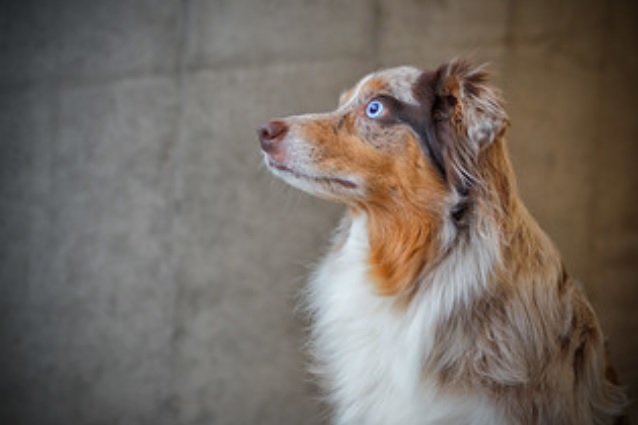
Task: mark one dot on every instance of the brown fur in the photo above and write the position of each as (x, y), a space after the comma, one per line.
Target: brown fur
(533, 340)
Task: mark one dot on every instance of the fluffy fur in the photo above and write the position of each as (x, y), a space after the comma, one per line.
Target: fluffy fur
(441, 300)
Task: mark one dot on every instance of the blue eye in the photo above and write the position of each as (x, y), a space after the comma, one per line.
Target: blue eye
(374, 109)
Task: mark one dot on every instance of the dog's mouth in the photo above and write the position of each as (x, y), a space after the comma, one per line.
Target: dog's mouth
(319, 179)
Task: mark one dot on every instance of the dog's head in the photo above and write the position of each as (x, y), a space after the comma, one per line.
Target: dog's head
(401, 134)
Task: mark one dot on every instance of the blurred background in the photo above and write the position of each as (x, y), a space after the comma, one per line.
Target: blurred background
(149, 265)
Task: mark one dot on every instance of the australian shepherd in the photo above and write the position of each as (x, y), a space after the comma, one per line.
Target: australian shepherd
(441, 300)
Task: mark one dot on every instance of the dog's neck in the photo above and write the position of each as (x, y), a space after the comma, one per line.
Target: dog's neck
(407, 239)
(401, 242)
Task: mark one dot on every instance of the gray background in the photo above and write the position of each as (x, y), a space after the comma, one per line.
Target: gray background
(148, 262)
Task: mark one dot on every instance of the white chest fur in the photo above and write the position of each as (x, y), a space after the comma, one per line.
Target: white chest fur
(370, 353)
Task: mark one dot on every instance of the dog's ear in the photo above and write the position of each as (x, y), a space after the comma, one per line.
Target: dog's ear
(466, 116)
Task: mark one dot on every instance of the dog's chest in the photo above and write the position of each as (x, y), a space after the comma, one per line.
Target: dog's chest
(369, 351)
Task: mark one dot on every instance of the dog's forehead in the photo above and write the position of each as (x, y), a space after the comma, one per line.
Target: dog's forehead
(399, 82)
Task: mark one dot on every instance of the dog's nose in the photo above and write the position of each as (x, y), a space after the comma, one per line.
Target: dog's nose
(270, 134)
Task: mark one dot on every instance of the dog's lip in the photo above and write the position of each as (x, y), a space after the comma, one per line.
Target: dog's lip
(282, 167)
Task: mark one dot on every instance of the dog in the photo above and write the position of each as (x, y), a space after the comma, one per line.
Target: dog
(441, 300)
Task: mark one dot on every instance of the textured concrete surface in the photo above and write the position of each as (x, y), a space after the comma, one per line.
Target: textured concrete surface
(149, 265)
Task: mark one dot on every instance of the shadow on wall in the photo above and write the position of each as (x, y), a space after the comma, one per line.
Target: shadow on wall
(149, 265)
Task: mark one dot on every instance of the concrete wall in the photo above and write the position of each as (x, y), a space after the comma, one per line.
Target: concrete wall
(148, 263)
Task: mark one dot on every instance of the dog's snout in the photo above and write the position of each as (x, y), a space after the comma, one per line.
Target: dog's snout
(270, 134)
